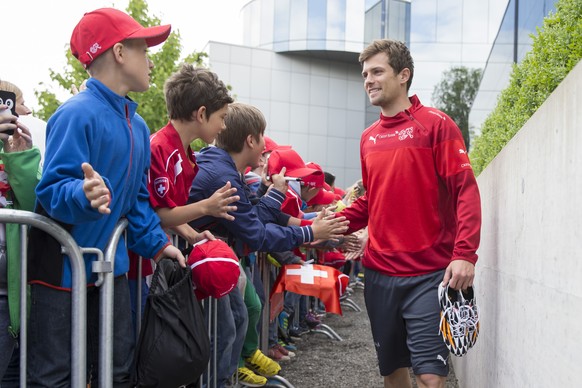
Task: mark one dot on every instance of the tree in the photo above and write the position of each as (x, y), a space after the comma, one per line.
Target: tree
(555, 50)
(454, 95)
(152, 106)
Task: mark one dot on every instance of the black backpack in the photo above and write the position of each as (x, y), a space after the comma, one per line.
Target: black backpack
(173, 347)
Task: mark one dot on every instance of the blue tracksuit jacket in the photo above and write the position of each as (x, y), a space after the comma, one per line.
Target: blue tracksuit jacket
(102, 128)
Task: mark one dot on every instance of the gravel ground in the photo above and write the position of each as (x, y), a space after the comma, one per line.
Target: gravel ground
(322, 362)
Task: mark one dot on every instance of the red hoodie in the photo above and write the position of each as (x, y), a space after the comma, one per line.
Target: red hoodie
(422, 204)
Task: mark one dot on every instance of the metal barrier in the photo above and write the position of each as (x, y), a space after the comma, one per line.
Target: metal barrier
(78, 291)
(103, 267)
(265, 273)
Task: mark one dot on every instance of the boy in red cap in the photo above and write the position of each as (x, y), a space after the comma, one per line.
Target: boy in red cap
(310, 181)
(256, 178)
(97, 156)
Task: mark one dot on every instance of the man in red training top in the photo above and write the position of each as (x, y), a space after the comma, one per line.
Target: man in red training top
(423, 213)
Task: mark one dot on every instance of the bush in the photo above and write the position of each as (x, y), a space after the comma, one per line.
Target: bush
(556, 49)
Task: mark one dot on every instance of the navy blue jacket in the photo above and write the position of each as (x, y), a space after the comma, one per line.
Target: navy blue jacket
(254, 225)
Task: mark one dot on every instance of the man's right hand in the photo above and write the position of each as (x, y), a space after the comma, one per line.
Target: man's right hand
(326, 226)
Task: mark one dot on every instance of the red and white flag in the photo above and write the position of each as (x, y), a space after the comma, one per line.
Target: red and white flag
(320, 281)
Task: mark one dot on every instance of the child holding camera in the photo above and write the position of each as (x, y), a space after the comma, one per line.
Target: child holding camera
(19, 174)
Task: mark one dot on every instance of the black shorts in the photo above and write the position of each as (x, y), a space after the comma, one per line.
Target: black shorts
(404, 315)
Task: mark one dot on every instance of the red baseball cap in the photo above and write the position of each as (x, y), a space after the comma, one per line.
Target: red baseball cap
(295, 166)
(316, 179)
(314, 166)
(339, 191)
(99, 30)
(215, 268)
(334, 259)
(323, 197)
(271, 145)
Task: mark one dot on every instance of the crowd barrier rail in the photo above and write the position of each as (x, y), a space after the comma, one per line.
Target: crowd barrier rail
(78, 291)
(103, 267)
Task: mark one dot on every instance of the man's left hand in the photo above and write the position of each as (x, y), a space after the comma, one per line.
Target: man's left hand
(459, 274)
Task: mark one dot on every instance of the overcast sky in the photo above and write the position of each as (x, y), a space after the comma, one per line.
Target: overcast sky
(35, 32)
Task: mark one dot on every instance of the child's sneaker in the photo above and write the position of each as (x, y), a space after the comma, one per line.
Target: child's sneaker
(312, 320)
(247, 378)
(290, 347)
(284, 322)
(459, 325)
(283, 350)
(277, 355)
(262, 364)
(296, 332)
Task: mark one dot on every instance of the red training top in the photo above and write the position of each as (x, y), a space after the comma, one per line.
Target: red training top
(422, 203)
(172, 169)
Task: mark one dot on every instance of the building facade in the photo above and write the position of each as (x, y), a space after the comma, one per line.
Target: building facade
(299, 64)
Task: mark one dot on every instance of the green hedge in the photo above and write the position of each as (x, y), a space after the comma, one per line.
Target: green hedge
(556, 49)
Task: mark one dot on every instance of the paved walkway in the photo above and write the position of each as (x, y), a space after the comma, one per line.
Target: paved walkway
(351, 363)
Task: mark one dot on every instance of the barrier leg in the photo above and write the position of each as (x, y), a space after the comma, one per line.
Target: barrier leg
(351, 304)
(326, 330)
(104, 268)
(78, 290)
(278, 381)
(23, 303)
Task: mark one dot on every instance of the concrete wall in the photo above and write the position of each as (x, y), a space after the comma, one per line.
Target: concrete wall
(529, 274)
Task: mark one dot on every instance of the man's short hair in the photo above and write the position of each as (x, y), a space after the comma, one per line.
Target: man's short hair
(399, 57)
(191, 88)
(241, 121)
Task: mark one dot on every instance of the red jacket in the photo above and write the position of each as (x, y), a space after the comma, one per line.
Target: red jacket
(422, 204)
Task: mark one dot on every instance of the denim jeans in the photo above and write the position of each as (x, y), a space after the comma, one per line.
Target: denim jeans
(49, 336)
(133, 295)
(231, 329)
(11, 377)
(291, 301)
(7, 342)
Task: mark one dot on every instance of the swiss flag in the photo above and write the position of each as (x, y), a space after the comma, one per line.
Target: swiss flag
(321, 281)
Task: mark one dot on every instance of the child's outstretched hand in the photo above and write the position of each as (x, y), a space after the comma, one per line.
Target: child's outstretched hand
(218, 205)
(326, 226)
(96, 190)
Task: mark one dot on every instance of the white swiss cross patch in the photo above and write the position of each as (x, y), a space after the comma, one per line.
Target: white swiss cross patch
(161, 186)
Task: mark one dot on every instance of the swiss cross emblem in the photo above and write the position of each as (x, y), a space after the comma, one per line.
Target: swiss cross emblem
(307, 273)
(161, 186)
